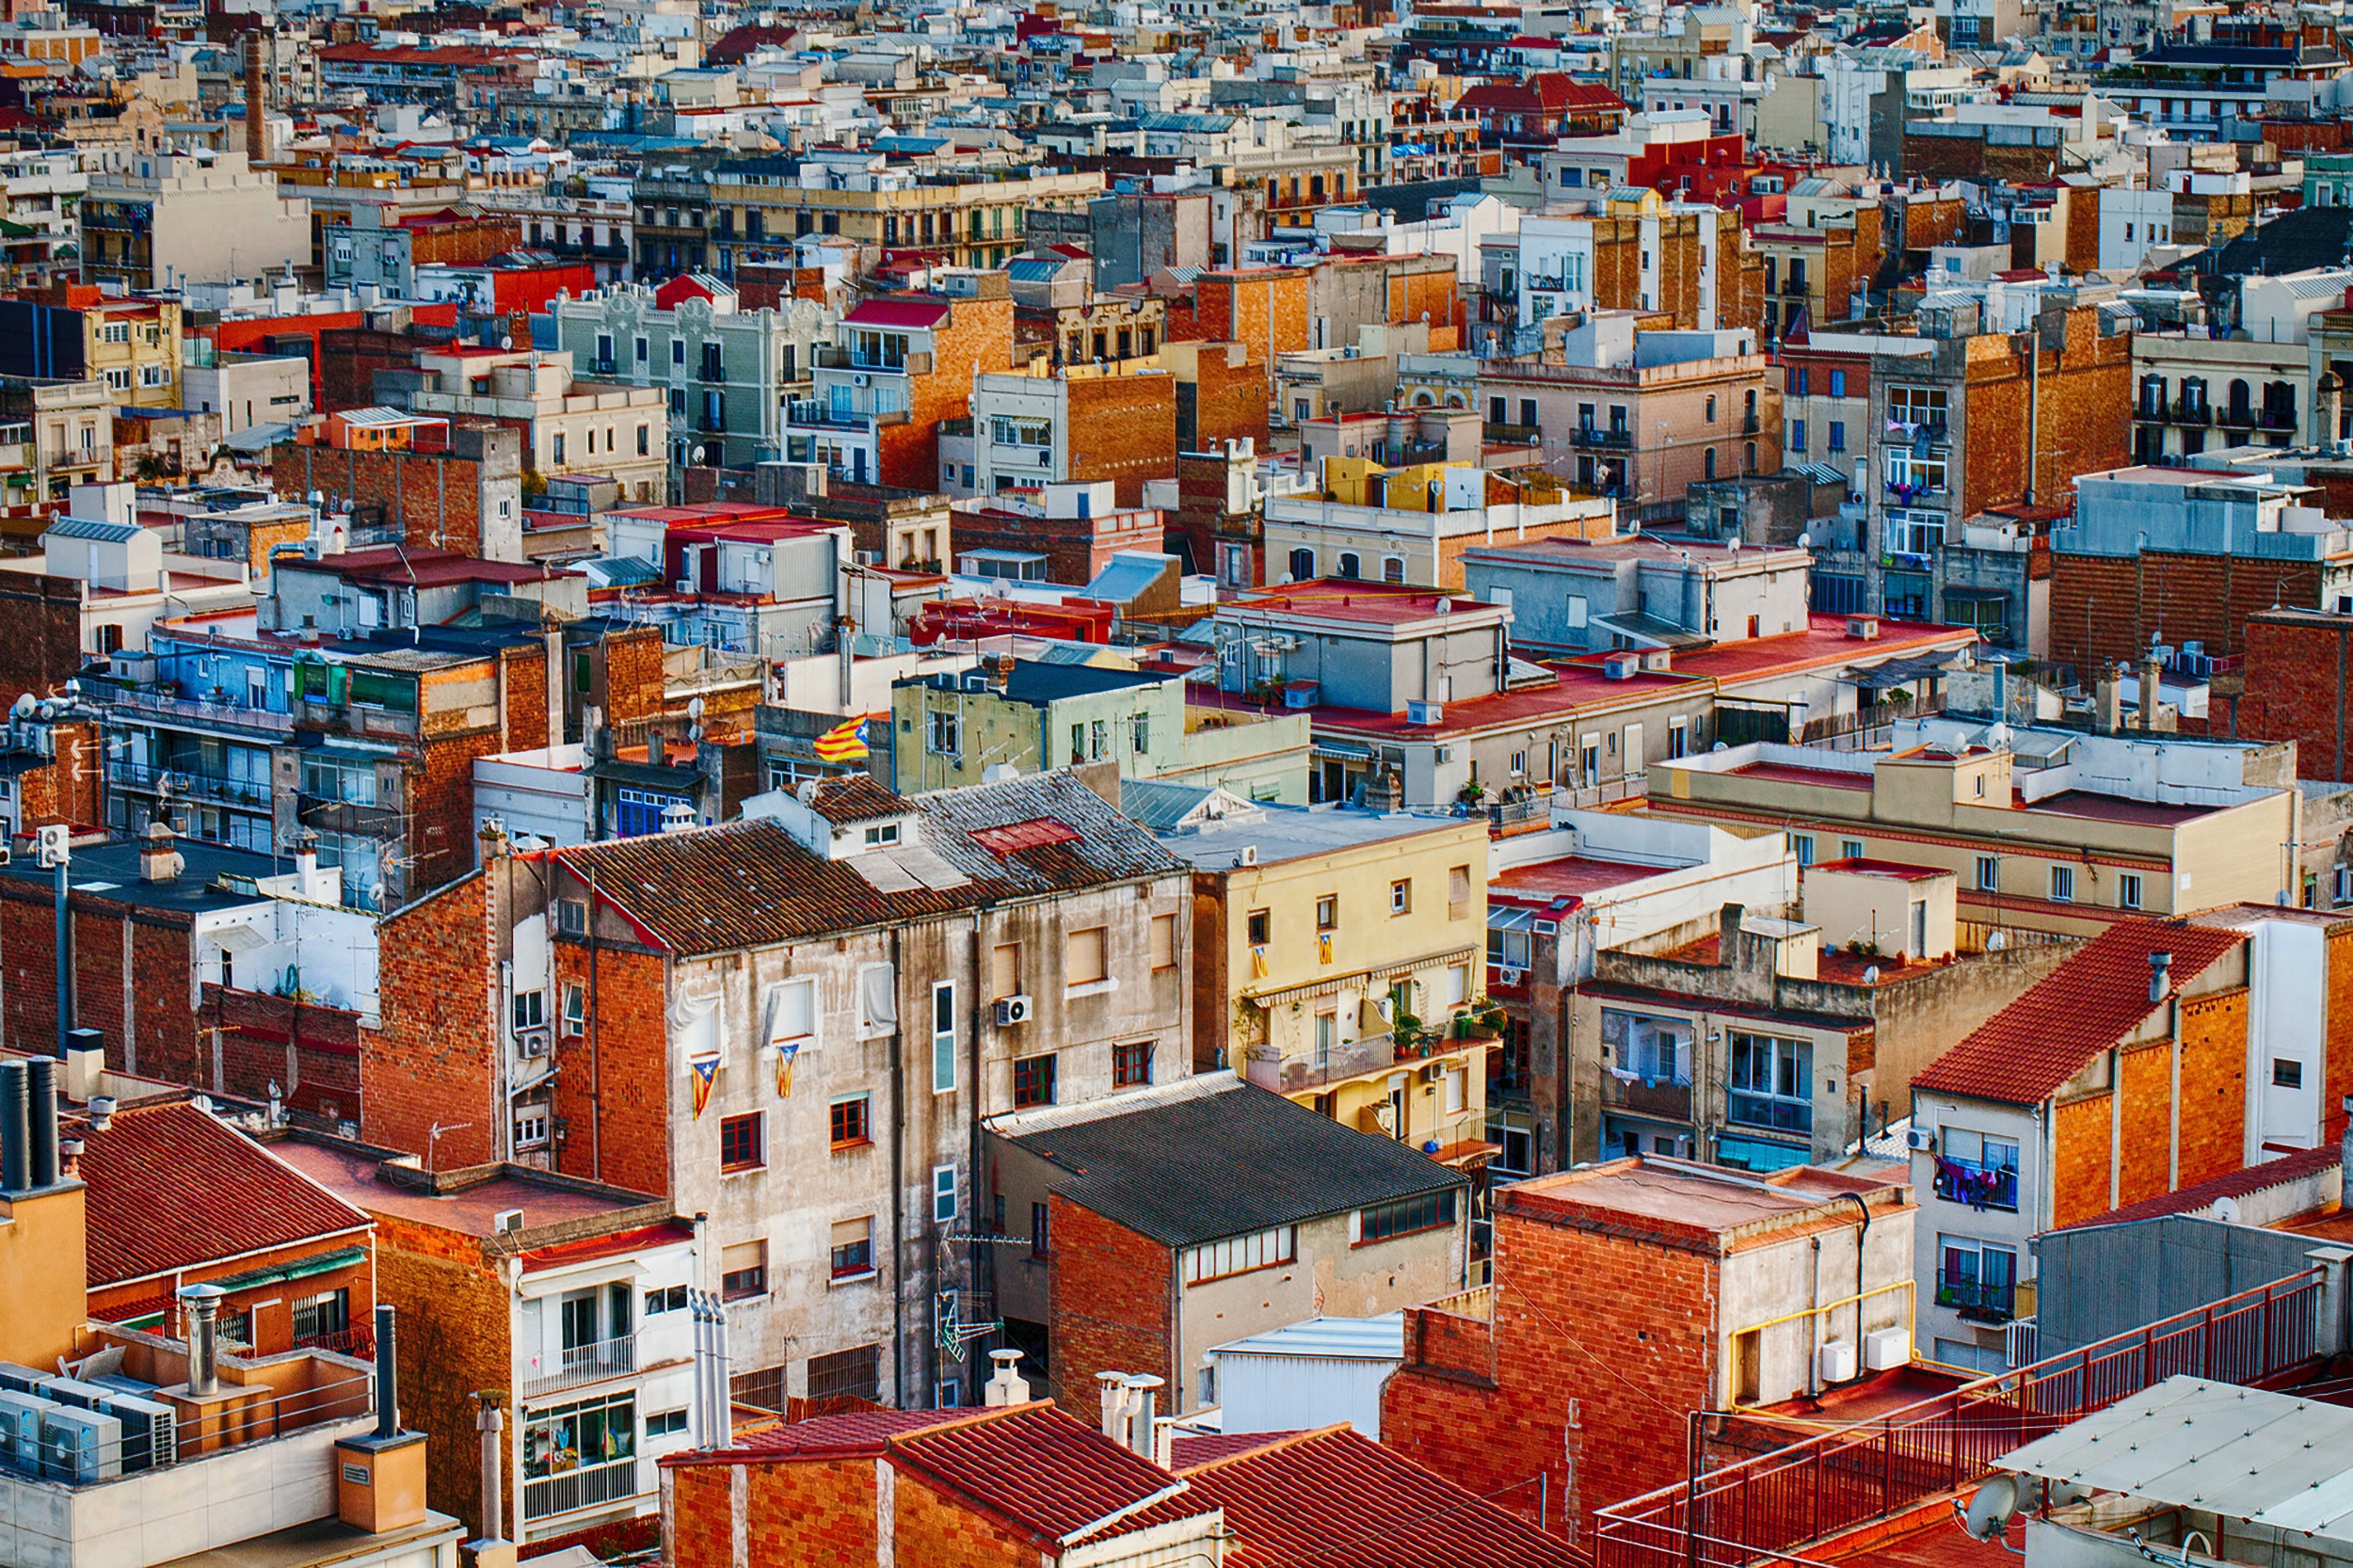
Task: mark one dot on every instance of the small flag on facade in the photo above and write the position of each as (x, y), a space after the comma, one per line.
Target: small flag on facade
(845, 742)
(705, 1069)
(786, 1053)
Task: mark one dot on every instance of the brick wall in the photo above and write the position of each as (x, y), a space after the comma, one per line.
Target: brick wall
(1123, 428)
(43, 648)
(977, 336)
(455, 1337)
(1230, 398)
(66, 788)
(2214, 1085)
(133, 981)
(699, 1515)
(2107, 608)
(2079, 1176)
(2337, 1049)
(2297, 671)
(1618, 1330)
(820, 1514)
(632, 688)
(431, 1060)
(1108, 1305)
(311, 1052)
(612, 1088)
(1264, 307)
(2082, 425)
(2146, 1076)
(434, 498)
(933, 1527)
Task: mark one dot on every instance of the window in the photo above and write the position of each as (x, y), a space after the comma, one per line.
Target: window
(944, 1038)
(1976, 1277)
(1801, 845)
(853, 1249)
(1839, 383)
(877, 1000)
(1041, 1230)
(1977, 1169)
(1033, 1081)
(1772, 1083)
(942, 739)
(1004, 971)
(1328, 912)
(574, 1438)
(530, 1010)
(882, 835)
(1458, 985)
(792, 1011)
(1240, 1255)
(761, 1390)
(1989, 874)
(2286, 1074)
(1084, 957)
(847, 1374)
(1350, 565)
(531, 1127)
(665, 1423)
(1797, 434)
(1458, 892)
(1851, 848)
(1403, 1216)
(556, 446)
(1303, 565)
(666, 1298)
(572, 917)
(1836, 439)
(1401, 897)
(1132, 1065)
(2062, 884)
(2128, 890)
(1163, 941)
(743, 1142)
(943, 1194)
(744, 1270)
(847, 1122)
(316, 1317)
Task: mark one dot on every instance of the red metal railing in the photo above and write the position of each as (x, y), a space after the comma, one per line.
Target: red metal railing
(1768, 1506)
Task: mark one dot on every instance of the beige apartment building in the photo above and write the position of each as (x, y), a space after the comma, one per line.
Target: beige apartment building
(2055, 831)
(617, 431)
(973, 216)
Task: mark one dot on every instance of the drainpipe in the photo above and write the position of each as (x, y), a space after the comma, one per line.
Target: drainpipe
(1862, 1236)
(1814, 1327)
(898, 1185)
(490, 1423)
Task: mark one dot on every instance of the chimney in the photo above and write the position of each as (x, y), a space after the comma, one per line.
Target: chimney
(1728, 934)
(379, 1476)
(256, 127)
(84, 1064)
(203, 1302)
(657, 754)
(2159, 965)
(2107, 705)
(1006, 1386)
(490, 1422)
(2151, 669)
(41, 1143)
(1112, 1389)
(16, 1132)
(159, 860)
(1143, 1392)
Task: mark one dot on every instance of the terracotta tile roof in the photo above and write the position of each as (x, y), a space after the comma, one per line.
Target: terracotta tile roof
(863, 1432)
(589, 1249)
(913, 311)
(751, 884)
(1047, 1473)
(857, 797)
(172, 1188)
(2022, 1054)
(1339, 1499)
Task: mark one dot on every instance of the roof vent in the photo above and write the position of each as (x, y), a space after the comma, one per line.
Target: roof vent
(2159, 965)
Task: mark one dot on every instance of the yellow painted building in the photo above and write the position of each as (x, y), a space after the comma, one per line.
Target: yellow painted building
(1340, 955)
(133, 347)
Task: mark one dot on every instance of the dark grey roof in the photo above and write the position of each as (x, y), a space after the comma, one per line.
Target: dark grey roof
(1033, 682)
(1215, 1156)
(111, 871)
(2296, 241)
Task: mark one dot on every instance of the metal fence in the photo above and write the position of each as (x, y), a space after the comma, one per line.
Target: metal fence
(1771, 1505)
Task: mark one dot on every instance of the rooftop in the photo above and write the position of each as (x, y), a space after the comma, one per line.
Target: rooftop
(1677, 1199)
(467, 1202)
(2024, 1053)
(1280, 833)
(1136, 1158)
(170, 1188)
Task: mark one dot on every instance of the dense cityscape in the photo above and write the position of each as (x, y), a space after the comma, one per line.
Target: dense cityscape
(1266, 783)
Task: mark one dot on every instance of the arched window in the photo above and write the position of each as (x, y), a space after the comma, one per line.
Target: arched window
(1350, 568)
(1303, 566)
(1708, 458)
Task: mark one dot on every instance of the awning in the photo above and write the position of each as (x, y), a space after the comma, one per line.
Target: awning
(1347, 750)
(236, 939)
(1358, 980)
(302, 1268)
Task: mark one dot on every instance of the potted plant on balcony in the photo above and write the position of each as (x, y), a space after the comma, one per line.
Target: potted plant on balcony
(1481, 1020)
(1409, 1035)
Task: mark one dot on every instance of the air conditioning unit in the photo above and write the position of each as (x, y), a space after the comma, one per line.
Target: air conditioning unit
(1380, 1116)
(20, 1428)
(532, 1042)
(507, 1222)
(1920, 1140)
(1431, 1072)
(1246, 855)
(859, 380)
(1511, 975)
(150, 1431)
(683, 586)
(1011, 1011)
(1835, 1361)
(1419, 710)
(1886, 1349)
(1442, 754)
(79, 1447)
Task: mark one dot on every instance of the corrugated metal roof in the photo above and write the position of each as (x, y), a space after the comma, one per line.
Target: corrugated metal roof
(1381, 1339)
(94, 528)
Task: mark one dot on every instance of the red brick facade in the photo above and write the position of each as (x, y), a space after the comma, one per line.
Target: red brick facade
(977, 336)
(1110, 1307)
(431, 1062)
(436, 498)
(1123, 428)
(1600, 1343)
(2106, 609)
(2297, 672)
(43, 648)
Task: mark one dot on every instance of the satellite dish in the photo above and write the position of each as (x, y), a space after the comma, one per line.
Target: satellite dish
(1805, 541)
(694, 707)
(1992, 1509)
(1871, 975)
(24, 708)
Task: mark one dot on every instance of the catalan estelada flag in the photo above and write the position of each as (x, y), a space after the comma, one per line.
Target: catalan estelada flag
(845, 742)
(705, 1069)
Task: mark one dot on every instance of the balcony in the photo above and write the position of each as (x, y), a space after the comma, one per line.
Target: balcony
(2186, 412)
(343, 816)
(1663, 1099)
(590, 1363)
(577, 1489)
(1594, 435)
(2236, 419)
(1372, 1053)
(1987, 1301)
(184, 784)
(164, 702)
(809, 413)
(1978, 1186)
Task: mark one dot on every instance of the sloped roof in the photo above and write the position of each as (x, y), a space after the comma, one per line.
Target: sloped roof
(1211, 1157)
(170, 1188)
(1340, 1500)
(915, 310)
(2243, 1182)
(2024, 1053)
(751, 884)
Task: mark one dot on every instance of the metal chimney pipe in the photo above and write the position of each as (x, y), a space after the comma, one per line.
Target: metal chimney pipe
(203, 1302)
(41, 1148)
(2160, 964)
(490, 1423)
(722, 1385)
(1146, 1391)
(1111, 1387)
(15, 1126)
(387, 1375)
